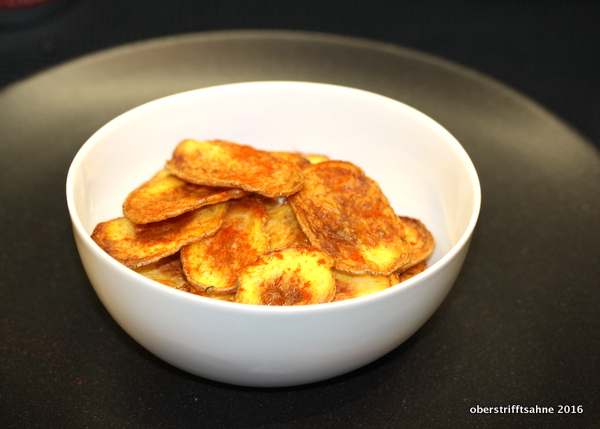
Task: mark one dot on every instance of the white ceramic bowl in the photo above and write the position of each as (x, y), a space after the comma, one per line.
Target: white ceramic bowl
(422, 169)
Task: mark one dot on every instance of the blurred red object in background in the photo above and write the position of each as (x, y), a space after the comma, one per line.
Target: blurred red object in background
(16, 12)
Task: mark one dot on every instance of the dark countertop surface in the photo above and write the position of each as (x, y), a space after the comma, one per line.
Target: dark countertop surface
(521, 326)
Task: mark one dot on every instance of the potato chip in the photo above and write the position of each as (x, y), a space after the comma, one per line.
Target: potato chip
(270, 203)
(401, 276)
(290, 276)
(222, 163)
(420, 238)
(166, 196)
(302, 160)
(344, 213)
(283, 228)
(135, 245)
(213, 264)
(295, 157)
(316, 158)
(350, 286)
(167, 271)
(230, 296)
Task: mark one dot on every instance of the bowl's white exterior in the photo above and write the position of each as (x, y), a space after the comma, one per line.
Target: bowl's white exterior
(421, 168)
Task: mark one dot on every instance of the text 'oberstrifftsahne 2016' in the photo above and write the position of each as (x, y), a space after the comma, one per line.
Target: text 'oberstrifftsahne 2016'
(519, 409)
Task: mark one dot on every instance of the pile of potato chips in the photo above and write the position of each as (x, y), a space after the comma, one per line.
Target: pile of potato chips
(232, 222)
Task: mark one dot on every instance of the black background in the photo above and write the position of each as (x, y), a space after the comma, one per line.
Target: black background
(488, 347)
(548, 50)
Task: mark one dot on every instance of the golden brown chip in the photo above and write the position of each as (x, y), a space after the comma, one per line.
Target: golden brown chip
(283, 228)
(294, 157)
(222, 163)
(290, 276)
(135, 245)
(302, 160)
(167, 271)
(420, 239)
(400, 276)
(166, 196)
(270, 203)
(344, 213)
(213, 264)
(316, 158)
(350, 286)
(230, 297)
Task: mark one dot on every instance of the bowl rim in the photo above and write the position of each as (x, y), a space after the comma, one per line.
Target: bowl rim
(444, 260)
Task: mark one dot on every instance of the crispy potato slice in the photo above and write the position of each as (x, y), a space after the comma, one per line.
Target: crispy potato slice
(166, 196)
(223, 163)
(213, 264)
(302, 160)
(135, 245)
(350, 286)
(167, 271)
(283, 228)
(295, 157)
(230, 296)
(403, 275)
(314, 158)
(344, 213)
(420, 238)
(290, 276)
(270, 202)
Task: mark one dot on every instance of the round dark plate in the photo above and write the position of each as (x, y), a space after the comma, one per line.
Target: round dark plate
(519, 327)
